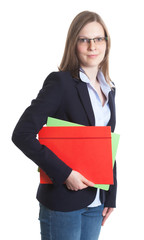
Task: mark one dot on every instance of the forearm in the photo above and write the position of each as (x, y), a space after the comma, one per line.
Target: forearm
(56, 169)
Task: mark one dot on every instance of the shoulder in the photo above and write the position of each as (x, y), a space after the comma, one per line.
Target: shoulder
(113, 87)
(112, 93)
(58, 77)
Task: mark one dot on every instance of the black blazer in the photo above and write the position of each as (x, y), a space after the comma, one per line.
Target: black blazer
(66, 98)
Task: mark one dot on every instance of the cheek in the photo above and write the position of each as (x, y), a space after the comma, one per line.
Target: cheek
(103, 51)
(80, 50)
(81, 54)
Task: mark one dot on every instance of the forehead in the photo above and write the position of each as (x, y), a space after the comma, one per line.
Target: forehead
(91, 30)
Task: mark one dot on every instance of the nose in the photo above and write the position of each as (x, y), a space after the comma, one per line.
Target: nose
(92, 45)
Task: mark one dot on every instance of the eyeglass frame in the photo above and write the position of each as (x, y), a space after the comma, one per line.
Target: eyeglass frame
(94, 39)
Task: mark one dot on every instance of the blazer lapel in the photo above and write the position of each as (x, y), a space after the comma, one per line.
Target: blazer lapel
(85, 99)
(112, 120)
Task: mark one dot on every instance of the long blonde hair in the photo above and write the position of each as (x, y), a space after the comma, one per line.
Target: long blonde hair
(70, 61)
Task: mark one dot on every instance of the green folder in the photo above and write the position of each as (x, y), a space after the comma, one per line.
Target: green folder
(54, 122)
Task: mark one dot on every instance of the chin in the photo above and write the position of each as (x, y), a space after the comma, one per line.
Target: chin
(93, 65)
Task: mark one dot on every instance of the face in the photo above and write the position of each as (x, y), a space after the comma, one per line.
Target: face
(90, 53)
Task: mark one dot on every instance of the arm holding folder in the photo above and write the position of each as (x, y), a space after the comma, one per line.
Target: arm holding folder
(52, 122)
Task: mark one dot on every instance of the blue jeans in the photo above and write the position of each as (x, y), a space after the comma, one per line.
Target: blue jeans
(83, 224)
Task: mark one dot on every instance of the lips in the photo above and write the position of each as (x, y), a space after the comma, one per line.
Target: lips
(92, 56)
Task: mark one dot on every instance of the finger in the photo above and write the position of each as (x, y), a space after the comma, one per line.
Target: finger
(76, 188)
(71, 188)
(88, 183)
(106, 213)
(104, 220)
(83, 186)
(110, 210)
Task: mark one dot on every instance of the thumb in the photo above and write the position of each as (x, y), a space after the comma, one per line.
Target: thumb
(104, 211)
(87, 182)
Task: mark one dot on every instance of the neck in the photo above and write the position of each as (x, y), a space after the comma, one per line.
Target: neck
(91, 73)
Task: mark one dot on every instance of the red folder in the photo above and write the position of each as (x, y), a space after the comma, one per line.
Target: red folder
(87, 150)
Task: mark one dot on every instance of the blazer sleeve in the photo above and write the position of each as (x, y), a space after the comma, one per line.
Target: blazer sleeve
(110, 200)
(34, 117)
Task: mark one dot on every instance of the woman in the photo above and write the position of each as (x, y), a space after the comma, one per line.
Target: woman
(80, 92)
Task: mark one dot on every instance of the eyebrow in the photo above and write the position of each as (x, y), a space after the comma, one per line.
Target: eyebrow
(91, 38)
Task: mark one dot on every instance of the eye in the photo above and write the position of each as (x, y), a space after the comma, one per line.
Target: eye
(99, 39)
(83, 40)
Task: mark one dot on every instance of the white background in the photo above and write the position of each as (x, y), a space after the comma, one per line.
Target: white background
(32, 40)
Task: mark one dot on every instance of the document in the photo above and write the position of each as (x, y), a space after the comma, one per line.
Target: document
(89, 150)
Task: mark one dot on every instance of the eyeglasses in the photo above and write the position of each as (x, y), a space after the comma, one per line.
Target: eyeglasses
(97, 40)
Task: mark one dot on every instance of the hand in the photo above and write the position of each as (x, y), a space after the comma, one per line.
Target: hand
(106, 212)
(76, 181)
